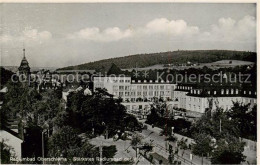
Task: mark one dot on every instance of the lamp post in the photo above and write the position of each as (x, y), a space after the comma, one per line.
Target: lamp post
(43, 145)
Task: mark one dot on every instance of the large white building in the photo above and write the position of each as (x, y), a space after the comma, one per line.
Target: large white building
(131, 91)
(137, 95)
(198, 99)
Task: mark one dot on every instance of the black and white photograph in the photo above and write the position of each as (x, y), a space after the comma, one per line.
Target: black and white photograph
(137, 83)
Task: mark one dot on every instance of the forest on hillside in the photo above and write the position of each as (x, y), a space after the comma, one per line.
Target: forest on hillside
(174, 57)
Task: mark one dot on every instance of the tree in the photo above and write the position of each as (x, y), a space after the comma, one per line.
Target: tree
(6, 153)
(244, 118)
(67, 143)
(98, 114)
(204, 145)
(217, 135)
(228, 152)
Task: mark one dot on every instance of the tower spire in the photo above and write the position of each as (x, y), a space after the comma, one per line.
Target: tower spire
(23, 50)
(23, 53)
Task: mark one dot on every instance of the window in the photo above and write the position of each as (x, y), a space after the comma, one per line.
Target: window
(227, 92)
(145, 93)
(139, 93)
(139, 87)
(161, 93)
(121, 87)
(127, 87)
(222, 91)
(121, 94)
(162, 87)
(145, 87)
(150, 93)
(132, 93)
(115, 87)
(236, 91)
(232, 91)
(150, 87)
(156, 87)
(167, 93)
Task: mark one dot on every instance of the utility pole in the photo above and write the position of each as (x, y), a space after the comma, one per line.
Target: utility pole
(100, 152)
(220, 125)
(43, 146)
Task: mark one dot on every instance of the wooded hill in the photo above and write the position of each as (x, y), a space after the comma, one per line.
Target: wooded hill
(174, 57)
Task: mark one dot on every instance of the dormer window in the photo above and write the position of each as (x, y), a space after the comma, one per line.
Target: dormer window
(222, 91)
(232, 91)
(215, 92)
(227, 92)
(236, 91)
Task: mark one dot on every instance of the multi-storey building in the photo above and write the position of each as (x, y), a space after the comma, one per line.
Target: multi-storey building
(198, 98)
(136, 95)
(133, 91)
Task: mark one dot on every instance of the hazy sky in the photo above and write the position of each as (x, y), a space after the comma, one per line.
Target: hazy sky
(69, 34)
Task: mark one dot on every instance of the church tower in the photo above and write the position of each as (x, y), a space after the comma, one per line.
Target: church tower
(24, 66)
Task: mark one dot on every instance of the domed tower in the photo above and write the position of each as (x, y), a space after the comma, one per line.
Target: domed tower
(24, 66)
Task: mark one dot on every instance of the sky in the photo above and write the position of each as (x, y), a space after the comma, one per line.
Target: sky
(58, 35)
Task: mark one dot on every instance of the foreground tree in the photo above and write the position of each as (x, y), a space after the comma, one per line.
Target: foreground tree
(228, 152)
(6, 153)
(68, 144)
(98, 114)
(217, 136)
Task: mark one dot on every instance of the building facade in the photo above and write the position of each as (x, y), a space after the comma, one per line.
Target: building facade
(135, 91)
(198, 99)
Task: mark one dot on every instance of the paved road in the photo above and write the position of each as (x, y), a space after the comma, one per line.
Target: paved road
(152, 134)
(124, 150)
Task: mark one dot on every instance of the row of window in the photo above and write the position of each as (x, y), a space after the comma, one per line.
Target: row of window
(139, 87)
(227, 91)
(145, 93)
(148, 99)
